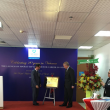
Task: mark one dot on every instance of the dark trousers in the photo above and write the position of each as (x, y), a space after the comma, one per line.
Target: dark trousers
(68, 95)
(35, 92)
(108, 108)
(107, 95)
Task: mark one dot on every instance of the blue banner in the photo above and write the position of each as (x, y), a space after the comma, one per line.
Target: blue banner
(15, 67)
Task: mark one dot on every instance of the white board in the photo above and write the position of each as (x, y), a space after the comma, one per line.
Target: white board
(1, 91)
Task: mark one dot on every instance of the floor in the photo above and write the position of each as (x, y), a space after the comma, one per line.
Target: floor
(82, 104)
(48, 105)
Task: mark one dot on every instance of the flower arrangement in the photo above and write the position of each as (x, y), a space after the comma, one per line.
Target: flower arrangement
(90, 80)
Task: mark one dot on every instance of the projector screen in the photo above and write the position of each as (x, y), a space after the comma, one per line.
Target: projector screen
(33, 53)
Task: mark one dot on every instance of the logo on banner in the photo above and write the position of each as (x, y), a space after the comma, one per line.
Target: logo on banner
(33, 53)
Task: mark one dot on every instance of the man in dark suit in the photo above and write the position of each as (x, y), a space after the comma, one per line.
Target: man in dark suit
(69, 85)
(35, 83)
(107, 87)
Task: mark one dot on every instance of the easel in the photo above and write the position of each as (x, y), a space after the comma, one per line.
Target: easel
(49, 95)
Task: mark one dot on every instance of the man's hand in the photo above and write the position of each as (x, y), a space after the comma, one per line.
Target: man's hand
(37, 86)
(72, 87)
(103, 84)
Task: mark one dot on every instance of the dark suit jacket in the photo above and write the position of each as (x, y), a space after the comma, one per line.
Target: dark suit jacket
(69, 78)
(107, 88)
(35, 78)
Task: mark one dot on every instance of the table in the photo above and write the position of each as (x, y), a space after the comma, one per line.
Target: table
(88, 103)
(92, 104)
(100, 104)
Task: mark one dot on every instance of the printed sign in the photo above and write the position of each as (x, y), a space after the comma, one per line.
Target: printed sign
(81, 72)
(88, 61)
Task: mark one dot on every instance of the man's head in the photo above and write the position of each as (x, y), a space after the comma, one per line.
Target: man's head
(37, 66)
(65, 65)
(109, 74)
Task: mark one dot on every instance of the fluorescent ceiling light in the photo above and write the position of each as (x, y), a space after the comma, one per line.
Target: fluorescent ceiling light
(1, 27)
(85, 47)
(0, 24)
(30, 45)
(103, 33)
(63, 37)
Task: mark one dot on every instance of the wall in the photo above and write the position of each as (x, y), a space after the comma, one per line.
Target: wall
(15, 67)
(85, 53)
(103, 54)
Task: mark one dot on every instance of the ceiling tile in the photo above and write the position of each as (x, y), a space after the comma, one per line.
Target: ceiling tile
(60, 43)
(73, 44)
(86, 33)
(14, 15)
(29, 41)
(43, 32)
(15, 43)
(42, 5)
(45, 37)
(103, 6)
(77, 5)
(94, 42)
(66, 28)
(95, 38)
(77, 17)
(13, 1)
(58, 46)
(91, 27)
(8, 37)
(44, 43)
(44, 25)
(5, 31)
(25, 35)
(18, 24)
(63, 32)
(98, 18)
(106, 28)
(12, 5)
(43, 16)
(78, 41)
(26, 31)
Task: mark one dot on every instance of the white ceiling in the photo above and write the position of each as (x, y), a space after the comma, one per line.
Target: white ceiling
(42, 20)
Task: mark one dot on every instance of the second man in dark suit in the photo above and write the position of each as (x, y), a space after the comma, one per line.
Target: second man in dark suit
(69, 85)
(35, 83)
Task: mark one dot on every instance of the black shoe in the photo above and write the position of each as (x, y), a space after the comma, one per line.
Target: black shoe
(36, 104)
(63, 105)
(69, 106)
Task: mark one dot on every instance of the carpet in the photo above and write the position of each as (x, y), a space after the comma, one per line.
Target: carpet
(48, 105)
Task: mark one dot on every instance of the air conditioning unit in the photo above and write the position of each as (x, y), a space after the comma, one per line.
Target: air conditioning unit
(1, 27)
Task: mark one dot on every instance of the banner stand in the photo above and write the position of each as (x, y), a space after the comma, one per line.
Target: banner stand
(1, 92)
(49, 95)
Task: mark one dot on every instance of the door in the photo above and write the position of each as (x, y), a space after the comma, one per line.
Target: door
(80, 94)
